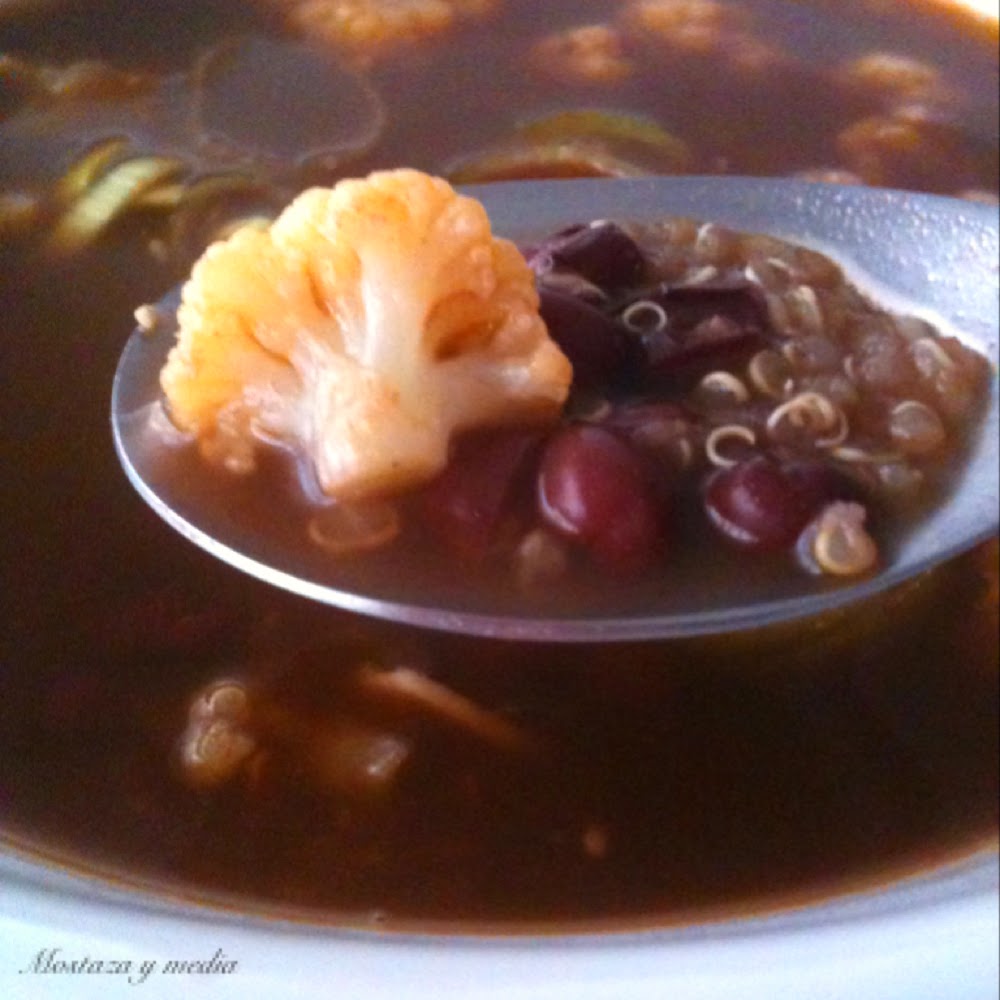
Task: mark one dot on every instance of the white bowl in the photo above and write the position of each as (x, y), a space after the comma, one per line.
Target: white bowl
(932, 937)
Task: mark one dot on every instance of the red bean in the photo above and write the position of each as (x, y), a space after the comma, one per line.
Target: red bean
(597, 346)
(757, 504)
(468, 504)
(712, 323)
(601, 252)
(593, 489)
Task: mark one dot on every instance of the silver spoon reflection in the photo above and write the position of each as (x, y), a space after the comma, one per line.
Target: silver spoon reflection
(934, 256)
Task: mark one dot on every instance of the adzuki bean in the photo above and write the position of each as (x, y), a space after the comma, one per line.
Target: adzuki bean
(596, 345)
(593, 489)
(601, 252)
(759, 505)
(487, 477)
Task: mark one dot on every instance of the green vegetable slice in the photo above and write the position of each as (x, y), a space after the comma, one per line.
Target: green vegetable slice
(85, 172)
(611, 127)
(105, 200)
(541, 160)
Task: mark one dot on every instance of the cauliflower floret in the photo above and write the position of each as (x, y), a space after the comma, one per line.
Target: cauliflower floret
(693, 25)
(370, 323)
(700, 28)
(587, 53)
(368, 30)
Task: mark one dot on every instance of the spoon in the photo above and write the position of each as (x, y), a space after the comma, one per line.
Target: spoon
(928, 255)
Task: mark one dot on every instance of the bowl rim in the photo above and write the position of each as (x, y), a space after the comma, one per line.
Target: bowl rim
(888, 942)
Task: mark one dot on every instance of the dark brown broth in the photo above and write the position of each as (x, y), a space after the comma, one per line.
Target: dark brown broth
(729, 774)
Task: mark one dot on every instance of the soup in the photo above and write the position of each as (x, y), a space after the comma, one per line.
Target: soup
(167, 722)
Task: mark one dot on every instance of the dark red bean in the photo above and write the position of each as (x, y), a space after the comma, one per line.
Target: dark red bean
(467, 506)
(711, 322)
(758, 504)
(593, 489)
(730, 295)
(597, 346)
(601, 252)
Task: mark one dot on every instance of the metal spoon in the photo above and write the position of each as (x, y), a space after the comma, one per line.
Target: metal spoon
(931, 255)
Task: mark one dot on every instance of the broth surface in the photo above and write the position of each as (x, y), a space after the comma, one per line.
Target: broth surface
(657, 782)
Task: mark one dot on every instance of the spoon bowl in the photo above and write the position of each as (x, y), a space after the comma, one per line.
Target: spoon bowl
(930, 256)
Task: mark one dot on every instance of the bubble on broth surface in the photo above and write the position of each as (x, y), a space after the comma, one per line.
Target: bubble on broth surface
(249, 101)
(272, 99)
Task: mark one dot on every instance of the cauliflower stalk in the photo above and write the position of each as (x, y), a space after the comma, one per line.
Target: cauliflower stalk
(370, 323)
